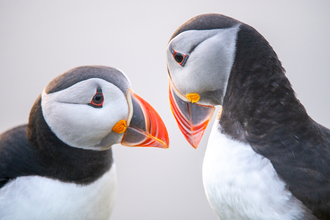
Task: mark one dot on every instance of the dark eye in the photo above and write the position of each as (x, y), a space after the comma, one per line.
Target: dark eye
(97, 100)
(178, 57)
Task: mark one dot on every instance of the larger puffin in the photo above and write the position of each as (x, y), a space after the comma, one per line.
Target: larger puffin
(266, 158)
(60, 165)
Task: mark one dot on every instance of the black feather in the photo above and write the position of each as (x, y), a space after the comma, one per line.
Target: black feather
(34, 149)
(260, 108)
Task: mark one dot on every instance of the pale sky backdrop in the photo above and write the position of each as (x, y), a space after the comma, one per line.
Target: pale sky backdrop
(42, 39)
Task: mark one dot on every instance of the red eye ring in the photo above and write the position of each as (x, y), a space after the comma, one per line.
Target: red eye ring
(98, 99)
(180, 58)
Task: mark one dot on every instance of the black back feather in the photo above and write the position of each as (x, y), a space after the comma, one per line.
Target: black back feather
(260, 108)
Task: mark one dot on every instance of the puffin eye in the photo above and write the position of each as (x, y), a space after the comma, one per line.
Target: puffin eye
(180, 58)
(97, 100)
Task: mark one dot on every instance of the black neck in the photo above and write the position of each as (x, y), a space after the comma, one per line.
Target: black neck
(260, 108)
(60, 161)
(259, 97)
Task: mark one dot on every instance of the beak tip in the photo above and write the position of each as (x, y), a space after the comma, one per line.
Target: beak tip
(166, 143)
(194, 144)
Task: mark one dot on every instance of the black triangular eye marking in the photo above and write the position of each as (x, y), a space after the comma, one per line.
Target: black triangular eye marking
(180, 58)
(98, 99)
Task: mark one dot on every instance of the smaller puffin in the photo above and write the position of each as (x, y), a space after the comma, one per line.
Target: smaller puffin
(60, 165)
(266, 158)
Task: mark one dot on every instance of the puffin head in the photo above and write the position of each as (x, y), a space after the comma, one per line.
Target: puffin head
(94, 107)
(201, 56)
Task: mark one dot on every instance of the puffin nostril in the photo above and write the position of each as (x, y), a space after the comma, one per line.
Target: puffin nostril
(178, 57)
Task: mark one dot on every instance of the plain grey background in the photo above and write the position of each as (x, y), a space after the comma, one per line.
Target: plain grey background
(42, 39)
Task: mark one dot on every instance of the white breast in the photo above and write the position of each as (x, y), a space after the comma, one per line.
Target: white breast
(241, 184)
(39, 198)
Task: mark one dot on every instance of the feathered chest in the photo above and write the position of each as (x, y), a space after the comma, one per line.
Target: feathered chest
(34, 197)
(241, 184)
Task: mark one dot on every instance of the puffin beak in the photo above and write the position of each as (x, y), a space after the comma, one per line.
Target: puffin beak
(192, 118)
(144, 126)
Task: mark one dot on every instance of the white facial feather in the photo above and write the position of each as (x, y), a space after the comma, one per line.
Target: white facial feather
(241, 184)
(39, 198)
(209, 64)
(76, 123)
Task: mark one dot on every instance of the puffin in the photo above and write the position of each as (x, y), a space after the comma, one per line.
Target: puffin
(266, 158)
(60, 165)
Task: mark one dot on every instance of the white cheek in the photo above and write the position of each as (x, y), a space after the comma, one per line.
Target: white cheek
(81, 125)
(209, 65)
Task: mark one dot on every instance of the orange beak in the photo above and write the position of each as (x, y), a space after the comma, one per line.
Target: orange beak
(192, 118)
(144, 128)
